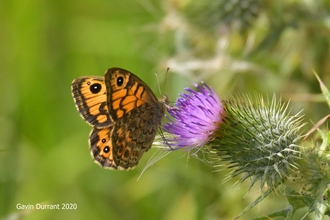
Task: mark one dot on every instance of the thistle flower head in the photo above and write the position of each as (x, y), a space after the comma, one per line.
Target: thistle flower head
(194, 118)
(259, 139)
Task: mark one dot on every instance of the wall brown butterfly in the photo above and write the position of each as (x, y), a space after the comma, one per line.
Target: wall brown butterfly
(125, 115)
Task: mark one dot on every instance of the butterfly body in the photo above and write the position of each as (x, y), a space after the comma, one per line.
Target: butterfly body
(125, 115)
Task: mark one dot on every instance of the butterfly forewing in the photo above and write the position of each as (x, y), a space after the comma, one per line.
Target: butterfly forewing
(127, 92)
(90, 95)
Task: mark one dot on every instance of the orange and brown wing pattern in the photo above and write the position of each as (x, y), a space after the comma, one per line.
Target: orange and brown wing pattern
(101, 147)
(134, 133)
(125, 115)
(126, 92)
(90, 97)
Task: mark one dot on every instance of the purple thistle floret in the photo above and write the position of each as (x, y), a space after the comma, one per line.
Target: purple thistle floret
(194, 118)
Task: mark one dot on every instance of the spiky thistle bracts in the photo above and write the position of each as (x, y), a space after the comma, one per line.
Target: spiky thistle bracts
(258, 139)
(311, 185)
(211, 15)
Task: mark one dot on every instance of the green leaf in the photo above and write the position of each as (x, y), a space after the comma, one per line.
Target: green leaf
(324, 89)
(258, 200)
(286, 213)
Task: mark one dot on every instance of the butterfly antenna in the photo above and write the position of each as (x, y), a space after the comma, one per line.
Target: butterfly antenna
(167, 70)
(162, 89)
(158, 83)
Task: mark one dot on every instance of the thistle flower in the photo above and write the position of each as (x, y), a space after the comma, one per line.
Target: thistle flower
(259, 140)
(194, 118)
(210, 15)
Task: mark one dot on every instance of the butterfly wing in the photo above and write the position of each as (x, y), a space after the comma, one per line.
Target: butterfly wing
(125, 114)
(134, 133)
(137, 114)
(126, 92)
(101, 147)
(90, 97)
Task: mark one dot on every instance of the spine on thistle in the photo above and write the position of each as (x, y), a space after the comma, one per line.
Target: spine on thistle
(255, 137)
(258, 139)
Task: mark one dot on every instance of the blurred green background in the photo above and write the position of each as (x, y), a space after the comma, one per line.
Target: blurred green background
(270, 47)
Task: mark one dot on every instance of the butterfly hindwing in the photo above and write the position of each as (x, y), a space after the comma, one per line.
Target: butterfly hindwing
(134, 133)
(101, 147)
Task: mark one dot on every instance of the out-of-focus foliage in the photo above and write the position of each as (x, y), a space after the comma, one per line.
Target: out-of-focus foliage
(265, 46)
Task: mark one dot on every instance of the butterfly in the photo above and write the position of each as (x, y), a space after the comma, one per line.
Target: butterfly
(125, 115)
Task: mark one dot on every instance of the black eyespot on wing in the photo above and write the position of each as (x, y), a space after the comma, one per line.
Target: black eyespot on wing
(106, 149)
(95, 88)
(120, 81)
